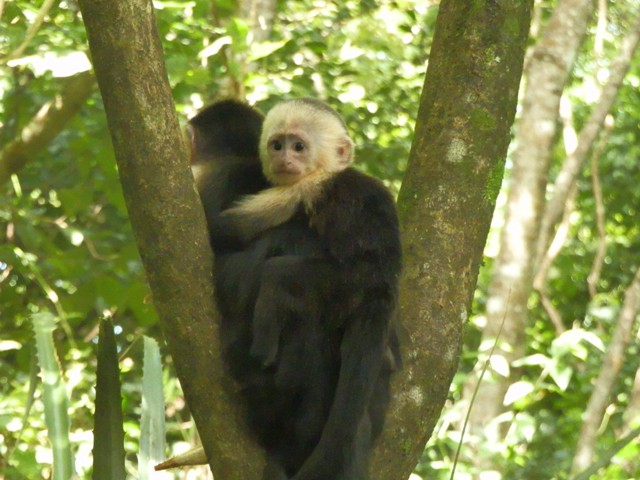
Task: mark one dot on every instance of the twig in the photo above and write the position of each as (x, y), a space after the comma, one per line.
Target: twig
(603, 385)
(31, 31)
(598, 261)
(475, 392)
(606, 458)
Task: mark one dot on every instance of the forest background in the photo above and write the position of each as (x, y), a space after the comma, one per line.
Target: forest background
(559, 283)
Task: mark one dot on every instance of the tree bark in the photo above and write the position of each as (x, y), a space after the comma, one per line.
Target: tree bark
(50, 120)
(445, 206)
(611, 366)
(512, 279)
(168, 221)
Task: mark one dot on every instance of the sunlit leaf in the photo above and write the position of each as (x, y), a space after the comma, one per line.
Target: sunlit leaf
(9, 345)
(54, 396)
(517, 391)
(561, 374)
(500, 365)
(263, 49)
(152, 436)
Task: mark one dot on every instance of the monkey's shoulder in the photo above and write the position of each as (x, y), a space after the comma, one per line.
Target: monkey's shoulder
(356, 197)
(224, 183)
(354, 187)
(356, 216)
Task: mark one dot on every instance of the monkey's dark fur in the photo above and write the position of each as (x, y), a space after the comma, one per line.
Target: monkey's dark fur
(305, 308)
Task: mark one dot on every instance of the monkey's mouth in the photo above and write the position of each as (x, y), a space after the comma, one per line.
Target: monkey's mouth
(287, 172)
(285, 177)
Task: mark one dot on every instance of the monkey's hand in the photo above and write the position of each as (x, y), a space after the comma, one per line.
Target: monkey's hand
(225, 233)
(283, 294)
(343, 458)
(267, 326)
(318, 467)
(273, 470)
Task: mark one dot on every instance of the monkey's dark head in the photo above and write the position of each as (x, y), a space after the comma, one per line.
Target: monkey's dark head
(301, 137)
(226, 128)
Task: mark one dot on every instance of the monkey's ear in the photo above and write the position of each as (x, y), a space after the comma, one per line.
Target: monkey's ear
(344, 152)
(190, 137)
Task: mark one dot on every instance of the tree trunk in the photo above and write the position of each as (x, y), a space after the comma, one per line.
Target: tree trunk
(512, 279)
(446, 204)
(259, 16)
(168, 221)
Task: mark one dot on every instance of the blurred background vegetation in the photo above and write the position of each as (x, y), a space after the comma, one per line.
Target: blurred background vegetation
(67, 252)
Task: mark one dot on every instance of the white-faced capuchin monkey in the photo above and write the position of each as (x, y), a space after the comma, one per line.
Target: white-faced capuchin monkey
(307, 269)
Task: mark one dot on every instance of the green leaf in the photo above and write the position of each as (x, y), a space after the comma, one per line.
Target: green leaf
(561, 374)
(54, 396)
(152, 436)
(238, 30)
(215, 47)
(572, 341)
(517, 391)
(264, 49)
(9, 345)
(108, 435)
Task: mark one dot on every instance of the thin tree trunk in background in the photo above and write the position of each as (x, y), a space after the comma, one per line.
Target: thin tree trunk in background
(570, 141)
(561, 204)
(564, 192)
(572, 166)
(512, 279)
(446, 203)
(613, 360)
(598, 261)
(259, 14)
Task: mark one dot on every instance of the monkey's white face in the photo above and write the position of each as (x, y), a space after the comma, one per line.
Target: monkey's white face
(290, 157)
(299, 139)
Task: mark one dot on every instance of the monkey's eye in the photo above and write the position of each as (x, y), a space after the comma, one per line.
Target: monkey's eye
(298, 146)
(276, 145)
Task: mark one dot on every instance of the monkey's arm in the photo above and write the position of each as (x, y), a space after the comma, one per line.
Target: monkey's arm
(220, 186)
(253, 214)
(357, 220)
(290, 286)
